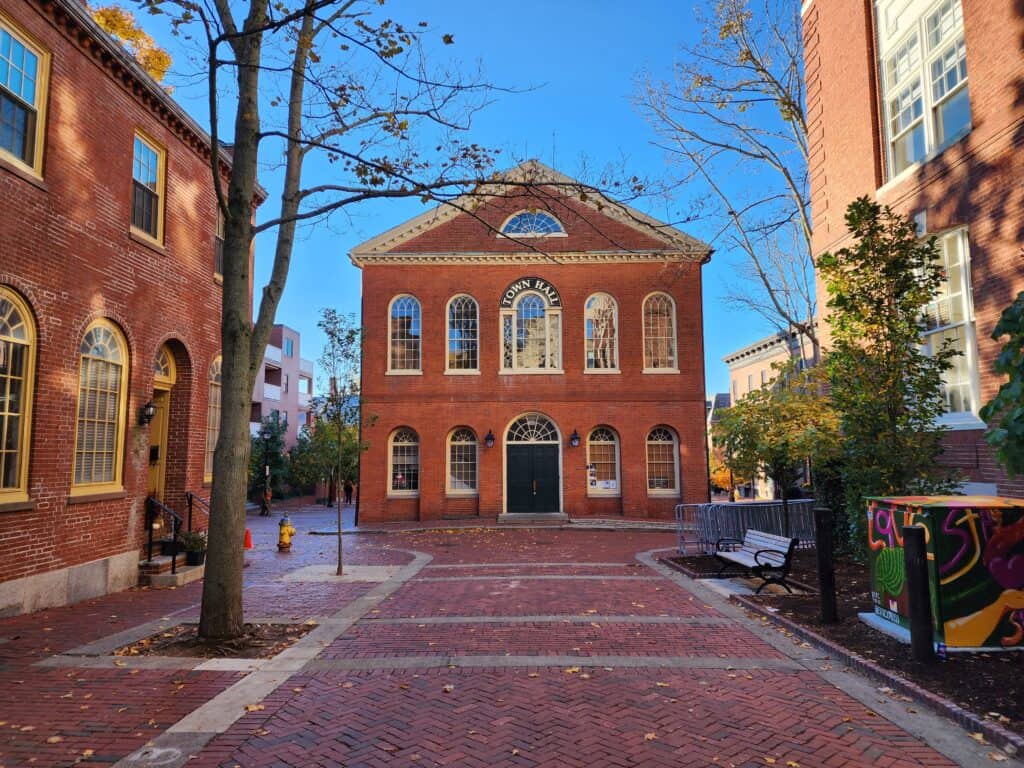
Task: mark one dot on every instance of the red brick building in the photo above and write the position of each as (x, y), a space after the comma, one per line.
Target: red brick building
(109, 302)
(535, 355)
(920, 103)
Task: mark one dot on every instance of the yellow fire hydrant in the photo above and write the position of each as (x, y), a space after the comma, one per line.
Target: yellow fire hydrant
(285, 531)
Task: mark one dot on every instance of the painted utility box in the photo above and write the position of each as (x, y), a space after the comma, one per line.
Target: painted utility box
(976, 566)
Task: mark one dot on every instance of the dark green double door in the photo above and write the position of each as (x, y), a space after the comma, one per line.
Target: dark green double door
(533, 478)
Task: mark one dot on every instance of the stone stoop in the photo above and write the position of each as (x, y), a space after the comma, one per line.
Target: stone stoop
(157, 572)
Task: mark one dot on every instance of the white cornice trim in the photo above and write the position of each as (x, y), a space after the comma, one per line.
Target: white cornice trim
(538, 174)
(806, 7)
(529, 257)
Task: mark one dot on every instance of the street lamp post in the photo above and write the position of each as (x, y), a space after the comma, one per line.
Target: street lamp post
(265, 503)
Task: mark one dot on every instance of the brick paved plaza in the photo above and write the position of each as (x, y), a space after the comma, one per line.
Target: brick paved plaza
(483, 647)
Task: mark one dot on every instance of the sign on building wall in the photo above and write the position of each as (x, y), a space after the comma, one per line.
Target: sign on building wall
(542, 287)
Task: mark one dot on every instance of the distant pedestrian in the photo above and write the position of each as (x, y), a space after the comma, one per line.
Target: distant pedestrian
(348, 491)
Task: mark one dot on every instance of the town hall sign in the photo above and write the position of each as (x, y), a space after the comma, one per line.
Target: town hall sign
(542, 287)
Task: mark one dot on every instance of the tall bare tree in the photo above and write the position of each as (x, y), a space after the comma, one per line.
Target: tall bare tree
(731, 120)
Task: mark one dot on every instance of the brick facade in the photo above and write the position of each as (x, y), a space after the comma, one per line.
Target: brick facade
(435, 260)
(974, 182)
(67, 250)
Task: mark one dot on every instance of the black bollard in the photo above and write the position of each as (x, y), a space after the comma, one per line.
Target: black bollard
(826, 564)
(915, 558)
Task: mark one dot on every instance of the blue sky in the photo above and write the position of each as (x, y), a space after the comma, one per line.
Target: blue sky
(580, 60)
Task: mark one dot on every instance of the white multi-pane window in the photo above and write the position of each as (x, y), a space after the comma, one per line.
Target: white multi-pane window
(662, 462)
(950, 318)
(17, 373)
(405, 462)
(531, 335)
(601, 320)
(923, 65)
(212, 415)
(532, 224)
(462, 462)
(659, 333)
(99, 438)
(603, 463)
(463, 334)
(23, 68)
(404, 335)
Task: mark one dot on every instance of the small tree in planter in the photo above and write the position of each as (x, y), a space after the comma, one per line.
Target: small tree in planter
(194, 544)
(1006, 435)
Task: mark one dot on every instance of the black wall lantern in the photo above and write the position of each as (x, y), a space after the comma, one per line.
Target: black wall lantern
(574, 439)
(147, 413)
(489, 439)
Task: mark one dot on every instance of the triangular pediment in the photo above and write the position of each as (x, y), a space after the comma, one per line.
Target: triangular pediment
(592, 226)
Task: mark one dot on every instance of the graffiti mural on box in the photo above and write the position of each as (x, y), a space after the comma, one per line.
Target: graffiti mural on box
(975, 559)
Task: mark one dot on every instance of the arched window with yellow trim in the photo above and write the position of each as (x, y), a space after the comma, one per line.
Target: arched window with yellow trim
(102, 396)
(17, 374)
(212, 417)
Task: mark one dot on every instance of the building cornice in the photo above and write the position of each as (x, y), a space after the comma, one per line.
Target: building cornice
(763, 349)
(528, 257)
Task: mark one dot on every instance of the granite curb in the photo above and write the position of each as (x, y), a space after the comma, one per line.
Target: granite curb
(697, 575)
(453, 525)
(1001, 737)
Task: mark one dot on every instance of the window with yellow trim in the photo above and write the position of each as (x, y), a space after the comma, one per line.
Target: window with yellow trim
(212, 417)
(17, 369)
(148, 173)
(24, 67)
(100, 423)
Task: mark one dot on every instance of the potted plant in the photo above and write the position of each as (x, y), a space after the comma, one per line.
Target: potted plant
(194, 544)
(170, 547)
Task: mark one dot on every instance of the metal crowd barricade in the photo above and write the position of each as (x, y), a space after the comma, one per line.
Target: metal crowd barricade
(700, 526)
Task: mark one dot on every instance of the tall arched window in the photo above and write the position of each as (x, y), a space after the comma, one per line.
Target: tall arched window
(17, 375)
(601, 320)
(404, 335)
(102, 395)
(662, 462)
(531, 335)
(463, 334)
(462, 462)
(659, 333)
(405, 463)
(603, 462)
(212, 416)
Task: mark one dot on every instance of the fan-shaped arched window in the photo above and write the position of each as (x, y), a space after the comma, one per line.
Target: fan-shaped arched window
(102, 396)
(662, 462)
(404, 335)
(531, 335)
(532, 428)
(17, 376)
(462, 462)
(463, 334)
(212, 416)
(601, 320)
(405, 462)
(603, 462)
(532, 224)
(659, 333)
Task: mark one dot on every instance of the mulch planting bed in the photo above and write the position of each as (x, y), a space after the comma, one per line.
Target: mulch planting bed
(989, 684)
(260, 641)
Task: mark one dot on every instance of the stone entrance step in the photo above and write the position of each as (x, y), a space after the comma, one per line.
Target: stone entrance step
(185, 574)
(517, 518)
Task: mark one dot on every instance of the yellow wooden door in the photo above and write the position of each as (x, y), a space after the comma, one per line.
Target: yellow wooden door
(158, 444)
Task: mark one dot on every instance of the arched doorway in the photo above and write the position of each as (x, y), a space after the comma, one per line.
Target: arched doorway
(532, 469)
(165, 376)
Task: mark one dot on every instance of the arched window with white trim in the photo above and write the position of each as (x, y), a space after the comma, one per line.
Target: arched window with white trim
(662, 462)
(462, 462)
(660, 333)
(463, 334)
(17, 376)
(532, 224)
(603, 462)
(601, 318)
(404, 337)
(531, 335)
(212, 416)
(102, 400)
(404, 455)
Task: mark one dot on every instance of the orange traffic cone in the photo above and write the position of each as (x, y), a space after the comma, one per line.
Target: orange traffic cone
(248, 539)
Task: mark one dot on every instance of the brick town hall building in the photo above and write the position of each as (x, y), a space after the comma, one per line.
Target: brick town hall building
(526, 352)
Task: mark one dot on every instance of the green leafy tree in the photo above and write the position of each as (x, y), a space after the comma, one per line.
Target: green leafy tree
(267, 450)
(775, 430)
(887, 390)
(1006, 409)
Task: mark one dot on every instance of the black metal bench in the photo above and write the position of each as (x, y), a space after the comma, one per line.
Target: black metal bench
(764, 555)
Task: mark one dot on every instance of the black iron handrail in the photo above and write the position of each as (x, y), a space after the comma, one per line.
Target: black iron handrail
(196, 499)
(154, 507)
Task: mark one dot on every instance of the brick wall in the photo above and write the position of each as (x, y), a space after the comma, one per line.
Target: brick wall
(65, 247)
